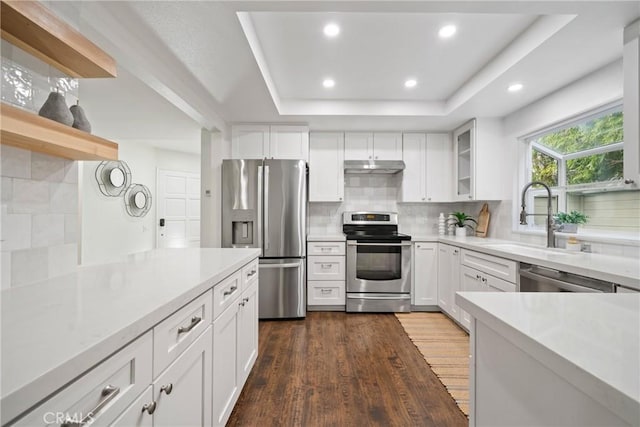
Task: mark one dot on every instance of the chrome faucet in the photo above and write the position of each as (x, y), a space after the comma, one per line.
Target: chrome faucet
(551, 238)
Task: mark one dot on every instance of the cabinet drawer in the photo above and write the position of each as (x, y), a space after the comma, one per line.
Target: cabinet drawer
(499, 267)
(225, 292)
(497, 285)
(326, 293)
(249, 273)
(178, 331)
(105, 391)
(325, 268)
(325, 248)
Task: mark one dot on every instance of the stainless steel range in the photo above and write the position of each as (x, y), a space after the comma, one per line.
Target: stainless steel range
(378, 263)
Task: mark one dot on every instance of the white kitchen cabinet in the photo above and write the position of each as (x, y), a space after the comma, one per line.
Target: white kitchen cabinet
(134, 415)
(326, 167)
(247, 331)
(427, 175)
(425, 274)
(631, 108)
(478, 148)
(183, 392)
(373, 146)
(249, 141)
(448, 279)
(270, 141)
(326, 274)
(225, 364)
(470, 281)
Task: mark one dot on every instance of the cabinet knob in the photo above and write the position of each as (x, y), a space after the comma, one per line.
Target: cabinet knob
(150, 408)
(469, 195)
(167, 388)
(339, 198)
(629, 181)
(370, 157)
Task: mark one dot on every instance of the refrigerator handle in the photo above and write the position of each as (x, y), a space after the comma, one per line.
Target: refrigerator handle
(259, 222)
(266, 207)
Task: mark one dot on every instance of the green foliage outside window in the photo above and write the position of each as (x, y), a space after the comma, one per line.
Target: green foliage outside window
(598, 132)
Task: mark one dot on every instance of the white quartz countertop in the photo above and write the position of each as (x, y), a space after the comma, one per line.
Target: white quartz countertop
(326, 238)
(54, 330)
(591, 340)
(616, 269)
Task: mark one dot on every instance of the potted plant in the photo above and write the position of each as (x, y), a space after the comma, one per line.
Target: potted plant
(568, 222)
(460, 220)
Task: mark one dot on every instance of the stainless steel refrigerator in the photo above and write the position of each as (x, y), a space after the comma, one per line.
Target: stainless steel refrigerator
(264, 205)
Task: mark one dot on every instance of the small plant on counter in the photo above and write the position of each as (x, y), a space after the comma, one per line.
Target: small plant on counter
(460, 219)
(573, 217)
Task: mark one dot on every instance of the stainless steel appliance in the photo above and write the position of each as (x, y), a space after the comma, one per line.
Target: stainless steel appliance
(264, 205)
(534, 278)
(378, 263)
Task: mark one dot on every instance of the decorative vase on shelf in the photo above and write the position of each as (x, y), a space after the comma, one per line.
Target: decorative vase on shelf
(55, 108)
(461, 231)
(80, 118)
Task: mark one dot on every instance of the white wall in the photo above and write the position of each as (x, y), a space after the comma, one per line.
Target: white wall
(108, 232)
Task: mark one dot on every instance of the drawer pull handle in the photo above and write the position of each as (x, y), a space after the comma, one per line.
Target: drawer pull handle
(325, 266)
(245, 299)
(108, 394)
(150, 407)
(325, 291)
(230, 291)
(241, 304)
(252, 273)
(194, 321)
(325, 249)
(167, 388)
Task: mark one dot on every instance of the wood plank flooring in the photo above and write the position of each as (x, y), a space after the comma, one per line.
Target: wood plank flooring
(338, 369)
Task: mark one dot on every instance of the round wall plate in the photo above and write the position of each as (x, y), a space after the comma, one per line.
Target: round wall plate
(137, 200)
(113, 177)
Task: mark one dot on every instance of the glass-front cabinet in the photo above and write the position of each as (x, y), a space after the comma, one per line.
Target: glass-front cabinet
(464, 139)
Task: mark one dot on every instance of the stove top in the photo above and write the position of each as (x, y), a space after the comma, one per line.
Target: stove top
(372, 227)
(393, 236)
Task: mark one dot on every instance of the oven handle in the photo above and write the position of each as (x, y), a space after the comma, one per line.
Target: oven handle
(355, 243)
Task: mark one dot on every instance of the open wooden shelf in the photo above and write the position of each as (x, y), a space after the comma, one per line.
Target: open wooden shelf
(29, 131)
(35, 29)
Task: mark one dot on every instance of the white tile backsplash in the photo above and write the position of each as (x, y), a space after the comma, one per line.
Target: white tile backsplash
(39, 216)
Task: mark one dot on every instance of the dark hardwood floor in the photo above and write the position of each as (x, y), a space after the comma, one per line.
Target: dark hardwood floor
(338, 369)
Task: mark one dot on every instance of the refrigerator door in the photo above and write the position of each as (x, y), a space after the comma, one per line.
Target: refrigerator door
(282, 292)
(285, 208)
(242, 203)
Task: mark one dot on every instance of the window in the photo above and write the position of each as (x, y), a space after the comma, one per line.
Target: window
(582, 163)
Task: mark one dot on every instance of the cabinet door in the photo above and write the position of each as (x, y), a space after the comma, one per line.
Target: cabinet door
(387, 146)
(464, 168)
(225, 364)
(326, 169)
(289, 142)
(438, 167)
(183, 392)
(249, 141)
(444, 277)
(425, 276)
(134, 415)
(455, 281)
(358, 146)
(470, 281)
(247, 332)
(415, 161)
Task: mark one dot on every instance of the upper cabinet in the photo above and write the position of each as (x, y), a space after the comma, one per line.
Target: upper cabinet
(326, 171)
(427, 173)
(631, 87)
(373, 146)
(35, 29)
(274, 142)
(477, 155)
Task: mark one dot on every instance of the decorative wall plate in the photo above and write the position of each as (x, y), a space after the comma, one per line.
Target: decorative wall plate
(113, 177)
(137, 200)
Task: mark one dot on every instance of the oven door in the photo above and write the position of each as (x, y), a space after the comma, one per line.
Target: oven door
(379, 267)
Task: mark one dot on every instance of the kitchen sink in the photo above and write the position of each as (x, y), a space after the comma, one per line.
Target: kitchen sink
(524, 249)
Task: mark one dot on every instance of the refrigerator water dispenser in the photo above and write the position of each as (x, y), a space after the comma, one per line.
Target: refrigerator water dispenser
(242, 233)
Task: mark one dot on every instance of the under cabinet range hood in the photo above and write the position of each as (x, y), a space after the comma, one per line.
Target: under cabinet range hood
(373, 166)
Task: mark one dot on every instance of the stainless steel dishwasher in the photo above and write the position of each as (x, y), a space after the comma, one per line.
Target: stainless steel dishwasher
(534, 278)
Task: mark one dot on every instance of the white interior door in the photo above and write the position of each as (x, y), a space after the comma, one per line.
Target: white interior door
(178, 207)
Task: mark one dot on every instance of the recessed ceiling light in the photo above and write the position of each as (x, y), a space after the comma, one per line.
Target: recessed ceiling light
(514, 87)
(410, 83)
(447, 31)
(328, 83)
(331, 30)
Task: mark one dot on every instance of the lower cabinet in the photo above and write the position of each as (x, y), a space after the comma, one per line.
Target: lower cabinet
(235, 349)
(135, 415)
(448, 278)
(425, 274)
(182, 393)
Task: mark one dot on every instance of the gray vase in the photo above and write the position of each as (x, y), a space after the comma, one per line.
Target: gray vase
(80, 119)
(55, 108)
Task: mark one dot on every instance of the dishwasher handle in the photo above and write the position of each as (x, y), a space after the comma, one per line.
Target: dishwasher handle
(569, 287)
